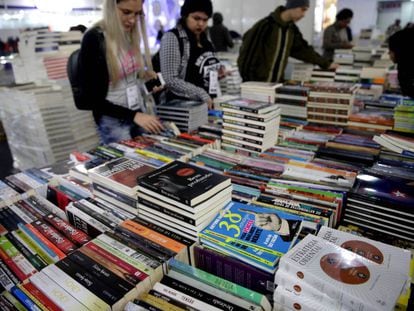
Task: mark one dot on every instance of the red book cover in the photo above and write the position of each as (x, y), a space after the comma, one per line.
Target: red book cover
(54, 236)
(49, 244)
(76, 236)
(44, 300)
(12, 265)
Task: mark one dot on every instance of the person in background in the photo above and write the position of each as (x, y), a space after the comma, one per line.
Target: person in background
(268, 44)
(194, 74)
(219, 34)
(336, 36)
(110, 60)
(402, 53)
(392, 29)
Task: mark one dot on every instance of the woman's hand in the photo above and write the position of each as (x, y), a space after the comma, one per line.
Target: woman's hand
(148, 122)
(210, 104)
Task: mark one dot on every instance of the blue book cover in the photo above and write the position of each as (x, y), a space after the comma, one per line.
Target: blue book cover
(24, 299)
(265, 229)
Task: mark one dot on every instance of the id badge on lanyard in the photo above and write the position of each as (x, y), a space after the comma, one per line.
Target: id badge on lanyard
(214, 87)
(133, 97)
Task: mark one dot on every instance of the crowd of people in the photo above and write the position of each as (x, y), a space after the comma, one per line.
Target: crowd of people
(114, 69)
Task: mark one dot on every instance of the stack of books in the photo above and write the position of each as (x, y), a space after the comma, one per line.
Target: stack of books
(258, 236)
(397, 142)
(182, 197)
(362, 56)
(372, 120)
(116, 181)
(249, 125)
(319, 275)
(382, 201)
(320, 75)
(404, 116)
(372, 75)
(189, 288)
(187, 115)
(344, 57)
(349, 75)
(330, 102)
(302, 72)
(292, 101)
(259, 91)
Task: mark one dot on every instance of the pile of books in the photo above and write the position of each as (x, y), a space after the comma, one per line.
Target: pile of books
(362, 56)
(337, 270)
(116, 181)
(397, 142)
(292, 101)
(189, 288)
(404, 116)
(259, 236)
(259, 91)
(187, 115)
(372, 120)
(321, 75)
(249, 125)
(182, 197)
(344, 57)
(382, 201)
(46, 135)
(349, 75)
(302, 72)
(330, 102)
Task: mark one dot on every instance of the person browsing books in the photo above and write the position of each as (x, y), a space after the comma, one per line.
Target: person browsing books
(268, 44)
(110, 60)
(187, 60)
(336, 36)
(402, 53)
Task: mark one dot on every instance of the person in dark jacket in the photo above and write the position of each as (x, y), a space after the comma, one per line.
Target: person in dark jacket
(268, 44)
(219, 34)
(402, 53)
(337, 35)
(110, 61)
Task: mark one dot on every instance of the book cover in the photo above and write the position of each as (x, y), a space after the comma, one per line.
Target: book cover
(392, 257)
(343, 275)
(185, 183)
(265, 229)
(121, 172)
(249, 105)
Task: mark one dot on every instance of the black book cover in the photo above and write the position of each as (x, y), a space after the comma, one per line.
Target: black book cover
(185, 183)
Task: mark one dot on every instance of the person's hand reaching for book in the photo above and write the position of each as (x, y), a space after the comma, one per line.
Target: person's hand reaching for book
(210, 104)
(148, 122)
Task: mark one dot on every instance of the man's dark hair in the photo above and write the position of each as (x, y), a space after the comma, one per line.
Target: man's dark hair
(344, 14)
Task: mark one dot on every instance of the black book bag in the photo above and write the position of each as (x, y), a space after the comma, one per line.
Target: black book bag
(73, 70)
(156, 63)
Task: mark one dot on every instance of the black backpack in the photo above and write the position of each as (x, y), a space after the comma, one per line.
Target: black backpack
(156, 63)
(74, 71)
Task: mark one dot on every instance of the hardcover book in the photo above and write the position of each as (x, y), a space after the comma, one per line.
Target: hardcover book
(343, 275)
(183, 182)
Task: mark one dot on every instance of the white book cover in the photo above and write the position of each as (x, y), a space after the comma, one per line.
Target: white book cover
(343, 275)
(391, 257)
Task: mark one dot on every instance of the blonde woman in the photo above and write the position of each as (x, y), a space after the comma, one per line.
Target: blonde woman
(110, 61)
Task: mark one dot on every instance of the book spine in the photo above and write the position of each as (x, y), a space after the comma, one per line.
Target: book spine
(188, 300)
(159, 241)
(108, 294)
(159, 303)
(5, 281)
(38, 241)
(199, 294)
(138, 275)
(26, 218)
(57, 294)
(102, 273)
(72, 286)
(97, 216)
(214, 281)
(15, 260)
(113, 194)
(54, 236)
(76, 236)
(166, 211)
(37, 262)
(7, 270)
(16, 305)
(24, 299)
(43, 299)
(49, 244)
(139, 244)
(233, 270)
(147, 263)
(32, 298)
(81, 224)
(24, 205)
(171, 300)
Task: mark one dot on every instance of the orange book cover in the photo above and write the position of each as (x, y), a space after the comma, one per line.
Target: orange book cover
(153, 236)
(49, 244)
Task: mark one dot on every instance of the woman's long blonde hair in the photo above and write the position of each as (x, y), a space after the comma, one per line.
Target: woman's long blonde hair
(117, 40)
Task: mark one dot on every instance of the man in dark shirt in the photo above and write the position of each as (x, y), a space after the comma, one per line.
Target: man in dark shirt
(219, 34)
